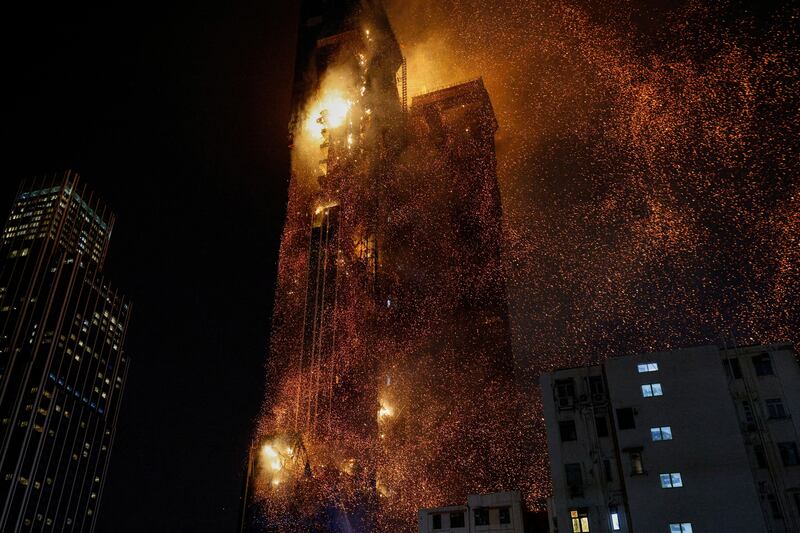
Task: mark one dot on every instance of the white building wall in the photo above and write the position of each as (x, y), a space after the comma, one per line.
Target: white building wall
(492, 505)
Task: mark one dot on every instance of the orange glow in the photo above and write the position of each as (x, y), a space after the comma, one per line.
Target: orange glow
(328, 112)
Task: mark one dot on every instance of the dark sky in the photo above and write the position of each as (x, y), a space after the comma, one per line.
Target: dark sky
(176, 116)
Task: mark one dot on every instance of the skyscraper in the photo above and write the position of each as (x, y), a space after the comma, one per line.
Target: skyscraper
(62, 362)
(391, 380)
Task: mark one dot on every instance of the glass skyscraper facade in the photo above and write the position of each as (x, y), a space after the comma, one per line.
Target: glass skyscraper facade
(62, 363)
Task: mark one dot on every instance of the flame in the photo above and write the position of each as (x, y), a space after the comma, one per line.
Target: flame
(269, 451)
(328, 112)
(385, 411)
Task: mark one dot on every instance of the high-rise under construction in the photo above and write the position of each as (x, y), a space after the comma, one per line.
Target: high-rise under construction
(390, 381)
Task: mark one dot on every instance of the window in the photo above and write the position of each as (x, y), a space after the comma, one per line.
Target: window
(775, 408)
(748, 412)
(601, 425)
(647, 367)
(625, 418)
(481, 517)
(762, 364)
(596, 387)
(505, 515)
(684, 527)
(637, 465)
(733, 368)
(761, 457)
(437, 521)
(789, 454)
(567, 430)
(774, 506)
(661, 433)
(651, 389)
(580, 520)
(565, 392)
(671, 481)
(457, 520)
(614, 515)
(574, 479)
(607, 470)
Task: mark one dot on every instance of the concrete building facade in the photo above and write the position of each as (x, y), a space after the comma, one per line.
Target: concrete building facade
(499, 512)
(690, 440)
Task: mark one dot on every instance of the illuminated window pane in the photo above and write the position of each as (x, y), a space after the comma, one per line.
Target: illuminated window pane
(671, 480)
(661, 433)
(652, 389)
(580, 520)
(615, 525)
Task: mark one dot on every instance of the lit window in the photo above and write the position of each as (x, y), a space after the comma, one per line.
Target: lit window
(580, 520)
(651, 389)
(684, 527)
(671, 481)
(661, 433)
(647, 367)
(637, 464)
(615, 522)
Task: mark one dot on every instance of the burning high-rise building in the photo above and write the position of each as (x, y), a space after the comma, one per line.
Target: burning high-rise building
(391, 380)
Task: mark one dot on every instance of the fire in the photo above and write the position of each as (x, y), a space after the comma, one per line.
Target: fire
(330, 111)
(269, 451)
(385, 411)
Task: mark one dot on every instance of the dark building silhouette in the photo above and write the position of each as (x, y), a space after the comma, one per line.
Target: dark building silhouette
(62, 362)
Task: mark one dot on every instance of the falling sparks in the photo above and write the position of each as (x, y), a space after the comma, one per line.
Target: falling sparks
(650, 200)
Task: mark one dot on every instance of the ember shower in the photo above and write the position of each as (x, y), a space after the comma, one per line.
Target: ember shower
(650, 200)
(391, 379)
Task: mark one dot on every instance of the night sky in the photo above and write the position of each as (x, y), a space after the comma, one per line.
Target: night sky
(176, 116)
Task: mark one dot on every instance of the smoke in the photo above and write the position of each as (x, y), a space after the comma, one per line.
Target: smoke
(647, 163)
(648, 167)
